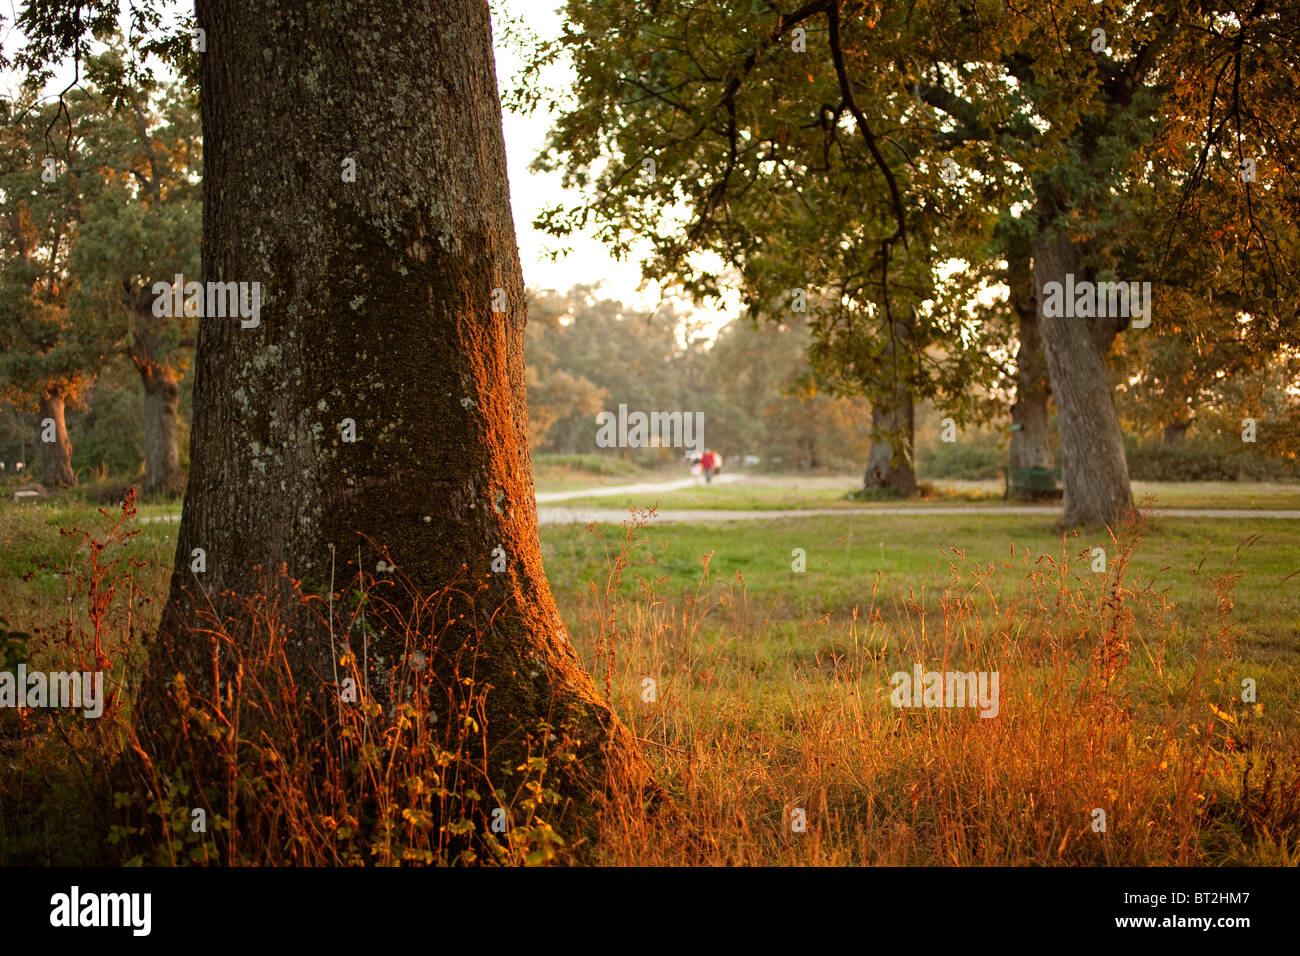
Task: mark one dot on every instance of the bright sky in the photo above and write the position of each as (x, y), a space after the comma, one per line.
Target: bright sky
(590, 261)
(530, 192)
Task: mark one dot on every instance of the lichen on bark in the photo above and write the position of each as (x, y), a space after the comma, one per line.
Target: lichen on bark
(377, 306)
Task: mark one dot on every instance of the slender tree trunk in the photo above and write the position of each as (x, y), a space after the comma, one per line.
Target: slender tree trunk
(1030, 436)
(378, 317)
(162, 393)
(1094, 470)
(569, 446)
(162, 454)
(56, 456)
(893, 428)
(889, 466)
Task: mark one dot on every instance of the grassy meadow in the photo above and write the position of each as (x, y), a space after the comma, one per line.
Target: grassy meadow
(758, 492)
(762, 692)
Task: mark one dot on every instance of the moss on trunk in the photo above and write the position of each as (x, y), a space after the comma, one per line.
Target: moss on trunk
(378, 405)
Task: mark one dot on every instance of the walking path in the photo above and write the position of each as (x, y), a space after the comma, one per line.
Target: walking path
(643, 488)
(562, 515)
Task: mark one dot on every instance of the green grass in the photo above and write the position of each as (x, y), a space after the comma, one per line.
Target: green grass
(1219, 494)
(778, 678)
(30, 538)
(867, 562)
(847, 554)
(763, 676)
(758, 492)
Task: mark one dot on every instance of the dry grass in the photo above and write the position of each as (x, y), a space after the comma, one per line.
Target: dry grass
(1095, 713)
(1107, 702)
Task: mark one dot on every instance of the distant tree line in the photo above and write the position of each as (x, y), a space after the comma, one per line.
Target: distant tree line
(753, 383)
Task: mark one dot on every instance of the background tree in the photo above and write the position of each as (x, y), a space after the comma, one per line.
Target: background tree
(753, 383)
(554, 393)
(1183, 367)
(1041, 116)
(1109, 111)
(48, 356)
(1031, 437)
(143, 221)
(607, 355)
(735, 130)
(772, 404)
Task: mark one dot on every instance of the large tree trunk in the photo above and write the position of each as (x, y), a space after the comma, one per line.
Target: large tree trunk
(1030, 436)
(889, 466)
(1094, 470)
(56, 456)
(162, 454)
(377, 307)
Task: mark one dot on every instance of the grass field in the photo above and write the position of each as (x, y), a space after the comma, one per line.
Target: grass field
(1120, 689)
(760, 492)
(779, 684)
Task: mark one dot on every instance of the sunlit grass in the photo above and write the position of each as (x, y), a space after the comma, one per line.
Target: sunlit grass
(760, 492)
(1113, 698)
(1120, 690)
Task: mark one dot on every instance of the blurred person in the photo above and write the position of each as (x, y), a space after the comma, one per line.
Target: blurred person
(709, 465)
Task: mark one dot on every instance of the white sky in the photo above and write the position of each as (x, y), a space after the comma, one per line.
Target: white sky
(530, 192)
(590, 261)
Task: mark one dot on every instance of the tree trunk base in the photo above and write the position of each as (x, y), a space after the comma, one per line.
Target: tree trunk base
(889, 466)
(56, 448)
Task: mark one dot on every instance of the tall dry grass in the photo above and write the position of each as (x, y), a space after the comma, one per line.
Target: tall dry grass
(1109, 701)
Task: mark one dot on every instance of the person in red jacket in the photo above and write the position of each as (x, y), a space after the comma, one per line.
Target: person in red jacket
(709, 464)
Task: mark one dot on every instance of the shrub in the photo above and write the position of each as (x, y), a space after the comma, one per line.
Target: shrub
(592, 464)
(976, 457)
(1206, 461)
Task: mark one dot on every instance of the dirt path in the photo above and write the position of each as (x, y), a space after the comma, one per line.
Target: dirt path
(562, 515)
(643, 488)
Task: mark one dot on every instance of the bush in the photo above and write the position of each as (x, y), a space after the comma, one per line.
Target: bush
(1206, 461)
(976, 457)
(590, 463)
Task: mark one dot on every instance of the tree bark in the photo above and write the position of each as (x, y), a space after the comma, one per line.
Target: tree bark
(1030, 435)
(56, 456)
(162, 455)
(1094, 470)
(890, 463)
(378, 299)
(889, 466)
